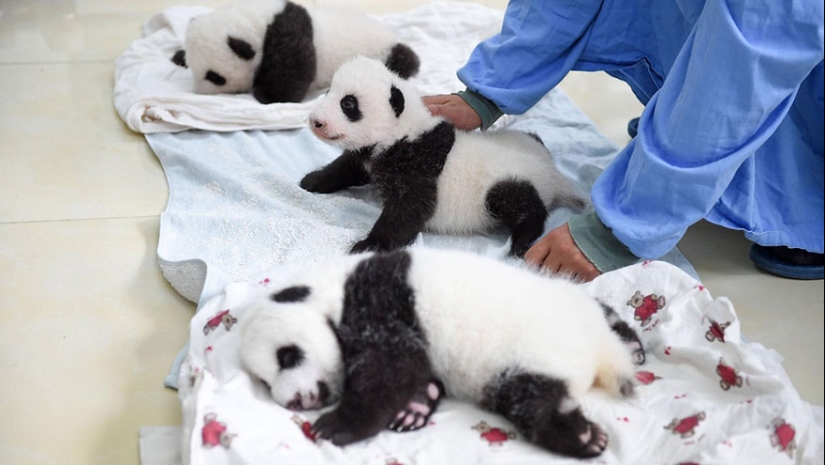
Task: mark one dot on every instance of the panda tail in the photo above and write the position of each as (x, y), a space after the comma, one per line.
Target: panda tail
(403, 61)
(570, 199)
(614, 373)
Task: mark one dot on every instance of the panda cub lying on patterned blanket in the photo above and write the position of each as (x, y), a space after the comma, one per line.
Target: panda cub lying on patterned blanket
(429, 174)
(281, 51)
(375, 331)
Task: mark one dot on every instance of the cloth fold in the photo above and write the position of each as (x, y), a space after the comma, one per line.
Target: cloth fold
(152, 94)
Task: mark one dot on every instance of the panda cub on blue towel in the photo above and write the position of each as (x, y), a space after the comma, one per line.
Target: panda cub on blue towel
(281, 51)
(376, 331)
(430, 175)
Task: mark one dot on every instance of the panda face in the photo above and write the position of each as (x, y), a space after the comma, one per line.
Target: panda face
(292, 350)
(367, 105)
(222, 47)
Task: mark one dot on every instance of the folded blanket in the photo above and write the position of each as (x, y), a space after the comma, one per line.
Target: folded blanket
(152, 94)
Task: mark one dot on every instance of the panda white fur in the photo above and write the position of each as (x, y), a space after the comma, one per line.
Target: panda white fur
(282, 51)
(375, 330)
(430, 175)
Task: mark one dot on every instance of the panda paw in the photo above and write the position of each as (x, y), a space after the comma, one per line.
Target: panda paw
(637, 352)
(594, 441)
(419, 409)
(333, 427)
(365, 245)
(314, 182)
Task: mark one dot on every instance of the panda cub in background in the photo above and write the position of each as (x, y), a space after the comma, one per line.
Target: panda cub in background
(282, 51)
(430, 175)
(373, 330)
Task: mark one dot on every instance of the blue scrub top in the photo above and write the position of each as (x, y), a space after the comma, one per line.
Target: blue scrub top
(732, 129)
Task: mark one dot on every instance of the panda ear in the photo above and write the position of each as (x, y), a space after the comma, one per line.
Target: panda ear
(180, 58)
(241, 48)
(397, 101)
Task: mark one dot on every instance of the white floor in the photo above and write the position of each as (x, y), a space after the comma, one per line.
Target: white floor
(90, 325)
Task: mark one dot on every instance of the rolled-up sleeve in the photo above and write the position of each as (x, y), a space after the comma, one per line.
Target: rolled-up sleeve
(539, 43)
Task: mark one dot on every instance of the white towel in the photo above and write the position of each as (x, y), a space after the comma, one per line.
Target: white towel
(153, 94)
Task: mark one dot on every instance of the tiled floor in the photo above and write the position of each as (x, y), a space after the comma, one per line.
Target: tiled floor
(90, 325)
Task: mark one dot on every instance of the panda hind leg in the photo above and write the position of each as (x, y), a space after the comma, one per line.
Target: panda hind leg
(542, 410)
(628, 336)
(517, 205)
(419, 408)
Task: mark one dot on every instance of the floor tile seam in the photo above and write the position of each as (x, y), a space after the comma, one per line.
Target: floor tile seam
(67, 220)
(58, 62)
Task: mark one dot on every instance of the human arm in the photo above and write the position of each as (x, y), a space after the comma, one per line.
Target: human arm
(539, 43)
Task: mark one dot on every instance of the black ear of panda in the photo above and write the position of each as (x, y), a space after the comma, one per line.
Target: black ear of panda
(241, 48)
(179, 58)
(397, 101)
(291, 294)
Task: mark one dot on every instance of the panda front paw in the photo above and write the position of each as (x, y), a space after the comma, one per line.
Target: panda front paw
(366, 245)
(315, 182)
(333, 427)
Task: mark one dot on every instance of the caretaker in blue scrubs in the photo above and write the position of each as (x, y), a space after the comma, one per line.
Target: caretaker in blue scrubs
(732, 129)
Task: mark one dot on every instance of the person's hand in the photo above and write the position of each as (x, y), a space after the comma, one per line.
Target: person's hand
(558, 253)
(454, 109)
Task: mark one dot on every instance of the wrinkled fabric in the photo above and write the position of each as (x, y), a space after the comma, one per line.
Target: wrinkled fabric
(732, 130)
(704, 395)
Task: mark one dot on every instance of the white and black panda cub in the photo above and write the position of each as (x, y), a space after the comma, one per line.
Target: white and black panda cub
(430, 175)
(281, 51)
(378, 331)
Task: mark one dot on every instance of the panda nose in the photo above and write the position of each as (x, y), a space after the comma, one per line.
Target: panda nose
(317, 124)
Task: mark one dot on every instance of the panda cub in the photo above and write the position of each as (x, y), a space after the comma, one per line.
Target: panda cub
(373, 331)
(282, 51)
(430, 175)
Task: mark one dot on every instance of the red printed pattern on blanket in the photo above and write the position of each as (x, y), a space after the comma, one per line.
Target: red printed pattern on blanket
(716, 331)
(685, 427)
(214, 432)
(224, 318)
(646, 377)
(494, 436)
(728, 375)
(782, 436)
(645, 306)
(306, 428)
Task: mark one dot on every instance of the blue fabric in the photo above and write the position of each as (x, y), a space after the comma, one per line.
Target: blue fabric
(732, 130)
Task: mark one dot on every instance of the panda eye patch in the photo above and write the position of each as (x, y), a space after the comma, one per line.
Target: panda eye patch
(349, 105)
(289, 357)
(241, 48)
(215, 78)
(291, 294)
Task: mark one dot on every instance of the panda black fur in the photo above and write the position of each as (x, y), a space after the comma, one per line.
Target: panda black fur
(430, 175)
(372, 329)
(280, 51)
